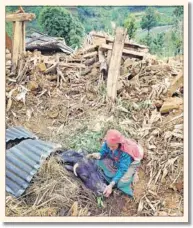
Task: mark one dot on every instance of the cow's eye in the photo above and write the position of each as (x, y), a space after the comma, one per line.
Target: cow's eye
(84, 177)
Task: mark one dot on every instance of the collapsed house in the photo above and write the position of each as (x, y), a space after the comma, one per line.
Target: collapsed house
(59, 94)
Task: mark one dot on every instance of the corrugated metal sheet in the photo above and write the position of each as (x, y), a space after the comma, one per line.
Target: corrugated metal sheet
(18, 132)
(23, 161)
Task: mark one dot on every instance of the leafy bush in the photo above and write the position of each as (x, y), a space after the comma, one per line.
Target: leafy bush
(130, 24)
(150, 19)
(57, 21)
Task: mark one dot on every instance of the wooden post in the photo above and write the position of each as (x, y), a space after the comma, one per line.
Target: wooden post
(109, 57)
(18, 44)
(23, 36)
(115, 63)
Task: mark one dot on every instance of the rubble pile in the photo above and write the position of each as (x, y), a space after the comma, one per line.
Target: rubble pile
(49, 93)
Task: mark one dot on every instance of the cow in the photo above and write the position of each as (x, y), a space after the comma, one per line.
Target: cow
(85, 169)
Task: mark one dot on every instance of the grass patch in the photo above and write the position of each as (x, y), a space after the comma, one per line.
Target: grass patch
(89, 141)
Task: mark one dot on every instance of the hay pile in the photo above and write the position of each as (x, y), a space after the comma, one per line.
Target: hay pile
(63, 103)
(53, 192)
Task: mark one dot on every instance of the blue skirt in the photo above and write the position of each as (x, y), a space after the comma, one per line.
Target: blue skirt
(124, 184)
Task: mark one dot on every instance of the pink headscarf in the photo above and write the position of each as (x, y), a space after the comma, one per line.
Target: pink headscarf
(127, 145)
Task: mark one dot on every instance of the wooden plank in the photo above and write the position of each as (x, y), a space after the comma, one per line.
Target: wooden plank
(89, 55)
(115, 63)
(72, 65)
(23, 36)
(109, 53)
(20, 17)
(89, 48)
(130, 53)
(98, 40)
(176, 83)
(103, 63)
(101, 56)
(128, 44)
(16, 44)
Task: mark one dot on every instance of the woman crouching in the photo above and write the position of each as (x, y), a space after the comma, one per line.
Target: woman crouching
(119, 159)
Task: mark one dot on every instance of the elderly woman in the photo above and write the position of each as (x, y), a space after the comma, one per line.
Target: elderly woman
(118, 158)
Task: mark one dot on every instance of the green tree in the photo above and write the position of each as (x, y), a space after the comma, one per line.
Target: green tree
(178, 12)
(130, 24)
(57, 21)
(177, 31)
(157, 45)
(150, 19)
(9, 25)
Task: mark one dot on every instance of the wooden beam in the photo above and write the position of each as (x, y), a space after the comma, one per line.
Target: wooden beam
(128, 44)
(109, 53)
(101, 56)
(89, 55)
(175, 84)
(16, 43)
(115, 63)
(89, 48)
(23, 36)
(129, 53)
(20, 17)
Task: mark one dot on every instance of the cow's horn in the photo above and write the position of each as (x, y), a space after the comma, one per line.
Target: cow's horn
(74, 169)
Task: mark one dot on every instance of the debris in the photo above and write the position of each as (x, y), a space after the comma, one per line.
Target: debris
(65, 101)
(42, 67)
(46, 43)
(32, 85)
(170, 104)
(129, 53)
(89, 55)
(177, 82)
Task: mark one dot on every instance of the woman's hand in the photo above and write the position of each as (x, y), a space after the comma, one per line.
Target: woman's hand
(94, 155)
(108, 190)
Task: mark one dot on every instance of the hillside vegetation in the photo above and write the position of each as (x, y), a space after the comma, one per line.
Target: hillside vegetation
(164, 37)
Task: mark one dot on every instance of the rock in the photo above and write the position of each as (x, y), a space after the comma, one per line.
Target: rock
(170, 104)
(8, 56)
(7, 51)
(7, 71)
(53, 114)
(97, 65)
(128, 62)
(179, 186)
(51, 77)
(41, 67)
(176, 83)
(94, 71)
(161, 213)
(32, 85)
(158, 103)
(8, 63)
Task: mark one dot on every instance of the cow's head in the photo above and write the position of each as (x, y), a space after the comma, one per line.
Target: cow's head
(85, 169)
(88, 172)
